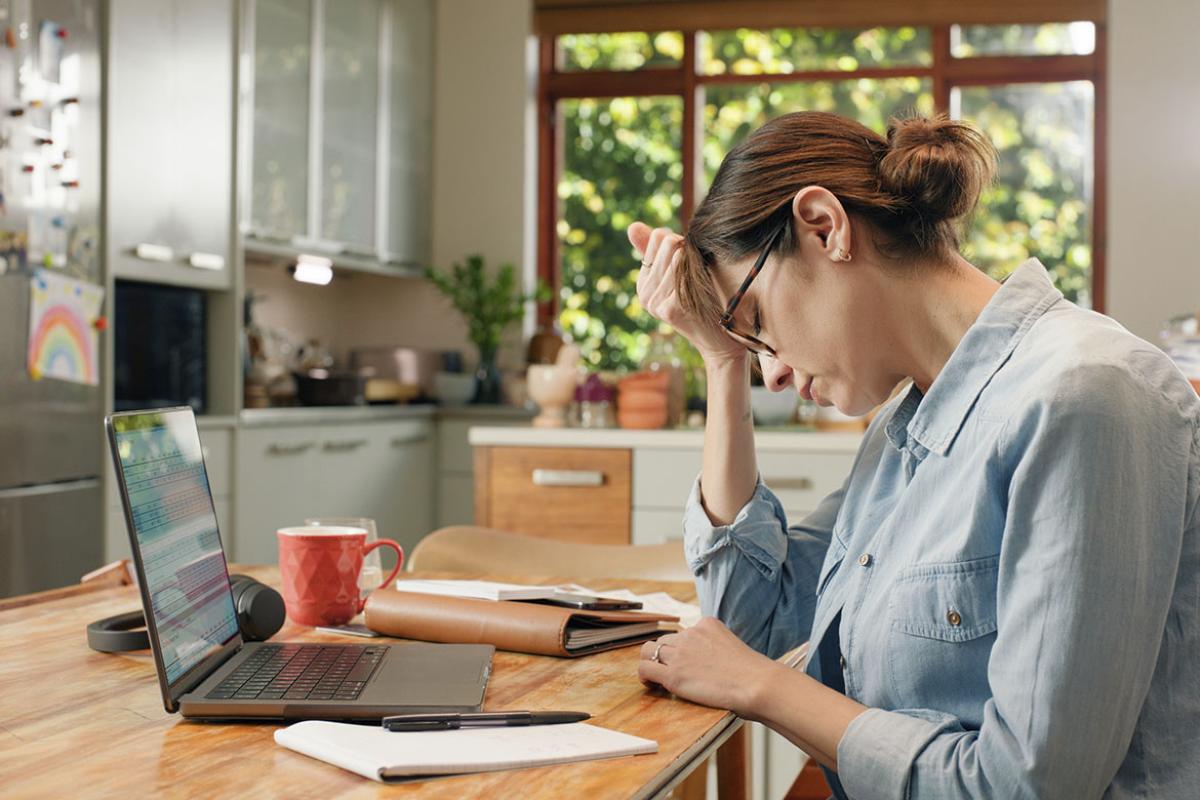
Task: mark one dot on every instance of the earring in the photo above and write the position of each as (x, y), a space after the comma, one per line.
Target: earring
(841, 255)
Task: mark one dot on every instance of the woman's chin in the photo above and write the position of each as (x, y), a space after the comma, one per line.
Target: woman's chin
(851, 406)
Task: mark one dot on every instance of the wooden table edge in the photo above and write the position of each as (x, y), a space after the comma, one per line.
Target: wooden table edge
(692, 758)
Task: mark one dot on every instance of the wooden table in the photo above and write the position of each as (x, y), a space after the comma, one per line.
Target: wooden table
(77, 722)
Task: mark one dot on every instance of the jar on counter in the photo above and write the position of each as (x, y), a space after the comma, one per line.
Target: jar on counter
(594, 401)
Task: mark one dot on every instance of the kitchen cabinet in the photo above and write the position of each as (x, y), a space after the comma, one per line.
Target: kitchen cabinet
(282, 36)
(170, 95)
(456, 481)
(340, 141)
(663, 477)
(382, 470)
(571, 494)
(801, 468)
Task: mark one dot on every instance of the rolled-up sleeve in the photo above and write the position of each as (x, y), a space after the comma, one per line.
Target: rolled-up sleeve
(1098, 503)
(756, 574)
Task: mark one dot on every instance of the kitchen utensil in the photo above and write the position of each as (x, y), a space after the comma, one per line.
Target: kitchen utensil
(551, 387)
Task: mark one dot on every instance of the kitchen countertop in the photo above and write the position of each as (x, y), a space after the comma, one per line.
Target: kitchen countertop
(302, 415)
(689, 439)
(310, 415)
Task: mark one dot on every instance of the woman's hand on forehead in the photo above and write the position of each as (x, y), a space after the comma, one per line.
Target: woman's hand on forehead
(661, 251)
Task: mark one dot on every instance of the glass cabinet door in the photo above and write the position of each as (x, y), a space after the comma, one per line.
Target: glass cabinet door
(282, 44)
(349, 127)
(410, 145)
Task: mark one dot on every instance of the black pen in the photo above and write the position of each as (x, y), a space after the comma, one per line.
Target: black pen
(481, 719)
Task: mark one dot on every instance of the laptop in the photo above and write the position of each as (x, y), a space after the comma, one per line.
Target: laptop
(205, 670)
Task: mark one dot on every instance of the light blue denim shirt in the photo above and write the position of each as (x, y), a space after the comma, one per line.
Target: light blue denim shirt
(1014, 562)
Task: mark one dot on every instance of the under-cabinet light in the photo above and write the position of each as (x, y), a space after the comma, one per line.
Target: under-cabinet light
(313, 269)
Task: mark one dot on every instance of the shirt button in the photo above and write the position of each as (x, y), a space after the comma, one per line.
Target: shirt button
(954, 618)
(865, 559)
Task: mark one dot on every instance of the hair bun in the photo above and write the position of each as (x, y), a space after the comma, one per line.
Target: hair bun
(937, 167)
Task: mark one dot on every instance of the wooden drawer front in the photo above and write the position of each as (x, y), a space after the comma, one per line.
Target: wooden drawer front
(580, 495)
(663, 478)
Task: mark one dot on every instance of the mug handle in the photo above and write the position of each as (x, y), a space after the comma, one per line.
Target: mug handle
(362, 603)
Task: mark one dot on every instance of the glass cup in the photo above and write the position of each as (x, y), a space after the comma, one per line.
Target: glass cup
(372, 569)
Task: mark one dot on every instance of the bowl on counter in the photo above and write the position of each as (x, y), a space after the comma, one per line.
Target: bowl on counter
(454, 388)
(772, 408)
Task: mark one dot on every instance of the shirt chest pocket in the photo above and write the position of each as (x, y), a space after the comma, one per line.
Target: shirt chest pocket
(942, 620)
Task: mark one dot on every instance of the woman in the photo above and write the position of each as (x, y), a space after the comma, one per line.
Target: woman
(1003, 598)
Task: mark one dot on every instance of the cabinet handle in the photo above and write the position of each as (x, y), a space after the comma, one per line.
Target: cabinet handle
(344, 446)
(801, 484)
(153, 252)
(289, 449)
(400, 441)
(207, 261)
(568, 477)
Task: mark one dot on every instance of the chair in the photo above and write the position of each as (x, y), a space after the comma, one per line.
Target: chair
(468, 548)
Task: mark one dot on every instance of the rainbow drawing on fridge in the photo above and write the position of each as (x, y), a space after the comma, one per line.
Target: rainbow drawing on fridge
(63, 340)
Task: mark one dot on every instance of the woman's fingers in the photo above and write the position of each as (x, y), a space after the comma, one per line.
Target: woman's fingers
(639, 236)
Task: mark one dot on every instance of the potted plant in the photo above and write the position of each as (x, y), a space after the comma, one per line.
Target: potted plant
(489, 306)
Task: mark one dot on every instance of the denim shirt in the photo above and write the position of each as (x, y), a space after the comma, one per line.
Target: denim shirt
(1011, 569)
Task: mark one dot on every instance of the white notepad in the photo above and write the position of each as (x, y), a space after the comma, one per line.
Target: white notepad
(480, 590)
(380, 754)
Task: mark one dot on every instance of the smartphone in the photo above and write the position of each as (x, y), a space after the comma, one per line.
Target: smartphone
(589, 602)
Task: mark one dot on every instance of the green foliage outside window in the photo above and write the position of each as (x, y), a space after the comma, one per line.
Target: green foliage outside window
(621, 158)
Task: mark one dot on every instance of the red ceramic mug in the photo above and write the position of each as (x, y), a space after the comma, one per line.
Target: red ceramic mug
(319, 567)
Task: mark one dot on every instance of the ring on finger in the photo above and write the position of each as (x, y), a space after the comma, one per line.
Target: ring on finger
(647, 263)
(657, 650)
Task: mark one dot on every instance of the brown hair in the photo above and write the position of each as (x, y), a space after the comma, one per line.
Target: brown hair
(913, 188)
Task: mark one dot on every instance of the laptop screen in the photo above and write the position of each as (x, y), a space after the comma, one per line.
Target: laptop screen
(175, 530)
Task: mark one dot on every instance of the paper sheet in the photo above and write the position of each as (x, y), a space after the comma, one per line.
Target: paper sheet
(379, 754)
(63, 341)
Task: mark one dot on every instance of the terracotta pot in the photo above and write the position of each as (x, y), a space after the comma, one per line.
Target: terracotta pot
(642, 400)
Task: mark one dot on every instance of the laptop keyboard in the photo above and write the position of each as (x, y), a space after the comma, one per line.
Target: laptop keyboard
(301, 672)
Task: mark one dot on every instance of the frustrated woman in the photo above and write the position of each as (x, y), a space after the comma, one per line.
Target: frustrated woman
(1002, 600)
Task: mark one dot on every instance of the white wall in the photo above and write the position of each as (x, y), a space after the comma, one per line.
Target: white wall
(480, 92)
(1153, 162)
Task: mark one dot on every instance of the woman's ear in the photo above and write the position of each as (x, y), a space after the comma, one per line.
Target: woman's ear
(821, 220)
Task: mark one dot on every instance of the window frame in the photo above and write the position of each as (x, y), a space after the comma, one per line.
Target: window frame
(946, 72)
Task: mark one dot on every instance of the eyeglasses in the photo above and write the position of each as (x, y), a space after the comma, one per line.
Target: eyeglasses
(751, 342)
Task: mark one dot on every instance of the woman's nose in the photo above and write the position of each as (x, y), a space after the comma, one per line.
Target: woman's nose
(777, 376)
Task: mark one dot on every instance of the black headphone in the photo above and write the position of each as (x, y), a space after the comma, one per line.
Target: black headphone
(260, 615)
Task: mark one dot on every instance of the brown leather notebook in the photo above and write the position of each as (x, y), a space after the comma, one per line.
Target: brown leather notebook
(509, 625)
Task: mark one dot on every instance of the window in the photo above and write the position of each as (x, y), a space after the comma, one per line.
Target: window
(635, 125)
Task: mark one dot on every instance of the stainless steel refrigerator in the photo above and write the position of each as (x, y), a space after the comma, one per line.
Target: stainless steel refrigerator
(51, 440)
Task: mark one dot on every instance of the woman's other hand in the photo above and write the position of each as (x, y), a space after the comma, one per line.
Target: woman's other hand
(707, 664)
(661, 250)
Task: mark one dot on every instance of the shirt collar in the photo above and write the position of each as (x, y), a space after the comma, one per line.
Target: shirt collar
(933, 420)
